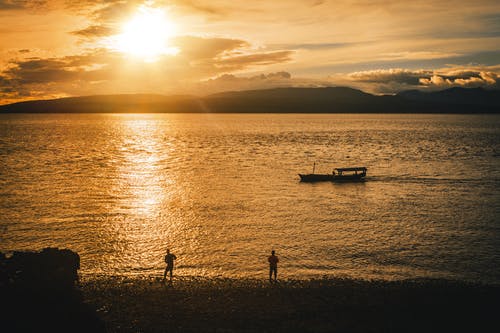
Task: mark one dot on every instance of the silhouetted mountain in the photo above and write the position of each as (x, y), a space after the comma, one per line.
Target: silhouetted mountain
(307, 100)
(126, 103)
(278, 100)
(456, 95)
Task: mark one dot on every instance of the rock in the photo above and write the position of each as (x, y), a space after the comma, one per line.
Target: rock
(39, 293)
(51, 268)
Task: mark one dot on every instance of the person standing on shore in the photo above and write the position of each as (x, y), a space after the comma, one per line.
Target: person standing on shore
(169, 260)
(273, 266)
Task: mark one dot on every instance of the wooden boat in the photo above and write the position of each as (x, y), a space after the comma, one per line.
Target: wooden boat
(355, 174)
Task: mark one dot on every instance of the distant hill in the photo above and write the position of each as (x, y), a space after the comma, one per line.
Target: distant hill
(474, 97)
(126, 103)
(279, 100)
(307, 100)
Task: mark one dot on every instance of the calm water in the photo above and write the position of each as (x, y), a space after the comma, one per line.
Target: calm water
(222, 191)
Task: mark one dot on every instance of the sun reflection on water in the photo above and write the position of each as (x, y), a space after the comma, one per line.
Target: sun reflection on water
(222, 191)
(141, 236)
(139, 172)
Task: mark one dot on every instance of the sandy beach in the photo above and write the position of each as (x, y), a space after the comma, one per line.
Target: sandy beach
(193, 304)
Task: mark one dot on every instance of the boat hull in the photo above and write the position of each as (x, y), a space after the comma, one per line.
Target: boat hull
(309, 178)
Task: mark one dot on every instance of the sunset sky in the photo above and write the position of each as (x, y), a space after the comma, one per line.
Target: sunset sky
(61, 48)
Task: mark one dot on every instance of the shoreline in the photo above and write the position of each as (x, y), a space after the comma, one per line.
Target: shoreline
(193, 304)
(184, 280)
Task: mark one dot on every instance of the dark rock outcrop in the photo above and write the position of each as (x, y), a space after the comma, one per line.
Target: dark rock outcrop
(40, 294)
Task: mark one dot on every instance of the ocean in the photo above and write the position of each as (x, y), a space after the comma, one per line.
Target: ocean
(222, 191)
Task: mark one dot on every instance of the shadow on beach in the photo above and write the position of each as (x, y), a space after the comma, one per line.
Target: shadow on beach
(41, 293)
(327, 305)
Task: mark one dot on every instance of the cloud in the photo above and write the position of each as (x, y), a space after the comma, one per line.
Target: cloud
(230, 82)
(310, 46)
(113, 11)
(21, 4)
(314, 3)
(53, 77)
(197, 48)
(208, 57)
(394, 80)
(12, 90)
(100, 70)
(202, 8)
(254, 59)
(381, 45)
(6, 84)
(382, 81)
(94, 31)
(397, 75)
(417, 55)
(466, 79)
(62, 69)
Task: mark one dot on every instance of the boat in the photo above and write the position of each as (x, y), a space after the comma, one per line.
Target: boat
(355, 174)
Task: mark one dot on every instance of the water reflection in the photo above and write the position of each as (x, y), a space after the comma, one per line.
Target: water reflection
(140, 170)
(141, 233)
(222, 191)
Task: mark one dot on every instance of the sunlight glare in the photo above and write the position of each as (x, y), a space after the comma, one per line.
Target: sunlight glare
(146, 35)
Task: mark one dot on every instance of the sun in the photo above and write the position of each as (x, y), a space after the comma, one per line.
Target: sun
(146, 35)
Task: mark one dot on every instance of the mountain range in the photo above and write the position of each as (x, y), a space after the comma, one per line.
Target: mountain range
(277, 100)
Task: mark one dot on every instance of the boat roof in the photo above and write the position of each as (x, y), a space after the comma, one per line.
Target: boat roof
(351, 169)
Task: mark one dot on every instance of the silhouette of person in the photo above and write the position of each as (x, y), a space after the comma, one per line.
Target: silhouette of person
(273, 266)
(169, 260)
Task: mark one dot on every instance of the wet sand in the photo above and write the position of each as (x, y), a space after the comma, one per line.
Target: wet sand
(325, 305)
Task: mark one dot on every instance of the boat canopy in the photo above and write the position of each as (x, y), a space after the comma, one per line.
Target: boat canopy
(362, 169)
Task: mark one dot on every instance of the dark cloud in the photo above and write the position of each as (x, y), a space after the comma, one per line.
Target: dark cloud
(197, 48)
(21, 4)
(403, 76)
(104, 70)
(310, 46)
(12, 90)
(484, 58)
(278, 76)
(205, 57)
(101, 12)
(255, 59)
(394, 80)
(94, 31)
(5, 83)
(228, 82)
(40, 70)
(55, 70)
(202, 8)
(468, 79)
(56, 77)
(198, 55)
(114, 11)
(315, 3)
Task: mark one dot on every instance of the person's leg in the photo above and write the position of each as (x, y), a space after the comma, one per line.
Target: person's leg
(275, 273)
(270, 273)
